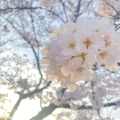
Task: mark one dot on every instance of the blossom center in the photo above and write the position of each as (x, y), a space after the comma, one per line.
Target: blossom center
(108, 43)
(72, 45)
(80, 69)
(82, 55)
(74, 30)
(87, 43)
(104, 54)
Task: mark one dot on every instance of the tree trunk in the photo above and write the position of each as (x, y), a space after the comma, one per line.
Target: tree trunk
(15, 108)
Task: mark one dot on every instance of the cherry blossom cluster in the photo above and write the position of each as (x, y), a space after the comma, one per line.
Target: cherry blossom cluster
(108, 7)
(76, 48)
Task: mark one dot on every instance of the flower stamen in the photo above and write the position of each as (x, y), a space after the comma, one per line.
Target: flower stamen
(87, 43)
(108, 43)
(74, 30)
(82, 55)
(104, 54)
(72, 45)
(80, 69)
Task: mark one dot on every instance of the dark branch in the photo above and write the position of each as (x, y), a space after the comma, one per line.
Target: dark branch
(36, 91)
(24, 96)
(10, 9)
(63, 4)
(77, 10)
(49, 109)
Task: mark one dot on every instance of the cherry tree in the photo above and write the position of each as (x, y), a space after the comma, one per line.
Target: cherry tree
(73, 46)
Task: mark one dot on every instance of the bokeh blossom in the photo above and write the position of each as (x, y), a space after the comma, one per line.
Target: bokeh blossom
(108, 7)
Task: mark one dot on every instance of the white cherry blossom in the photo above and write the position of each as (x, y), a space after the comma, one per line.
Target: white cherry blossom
(76, 47)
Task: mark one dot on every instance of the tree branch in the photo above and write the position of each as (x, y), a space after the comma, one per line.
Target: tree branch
(77, 10)
(15, 108)
(49, 109)
(63, 4)
(24, 96)
(36, 91)
(9, 9)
